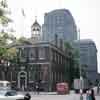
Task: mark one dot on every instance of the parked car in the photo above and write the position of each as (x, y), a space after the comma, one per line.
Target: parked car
(10, 95)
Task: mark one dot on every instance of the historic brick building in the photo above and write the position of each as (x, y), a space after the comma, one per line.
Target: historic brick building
(37, 60)
(41, 61)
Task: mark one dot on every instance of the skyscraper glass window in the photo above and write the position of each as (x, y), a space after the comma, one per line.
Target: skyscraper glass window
(59, 22)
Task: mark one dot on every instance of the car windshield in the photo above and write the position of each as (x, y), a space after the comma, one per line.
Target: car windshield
(2, 93)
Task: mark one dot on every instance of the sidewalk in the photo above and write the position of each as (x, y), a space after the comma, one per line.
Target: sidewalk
(55, 96)
(40, 93)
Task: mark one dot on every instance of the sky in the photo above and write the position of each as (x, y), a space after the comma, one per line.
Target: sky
(85, 12)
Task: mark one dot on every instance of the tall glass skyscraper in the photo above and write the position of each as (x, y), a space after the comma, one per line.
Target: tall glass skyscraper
(88, 58)
(59, 22)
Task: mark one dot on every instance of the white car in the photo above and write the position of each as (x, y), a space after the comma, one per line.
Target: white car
(10, 95)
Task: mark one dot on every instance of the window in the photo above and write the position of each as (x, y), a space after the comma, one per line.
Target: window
(23, 52)
(41, 53)
(11, 93)
(84, 57)
(58, 57)
(32, 53)
(55, 56)
(59, 19)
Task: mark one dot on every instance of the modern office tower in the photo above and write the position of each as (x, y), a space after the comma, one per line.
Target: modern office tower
(88, 58)
(59, 22)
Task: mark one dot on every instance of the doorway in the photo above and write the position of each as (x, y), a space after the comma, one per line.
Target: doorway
(22, 80)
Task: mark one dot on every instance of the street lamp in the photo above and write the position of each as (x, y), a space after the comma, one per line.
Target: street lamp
(80, 69)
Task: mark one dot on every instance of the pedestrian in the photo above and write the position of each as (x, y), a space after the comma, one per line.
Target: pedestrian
(92, 95)
(81, 95)
(27, 96)
(88, 95)
(98, 90)
(37, 88)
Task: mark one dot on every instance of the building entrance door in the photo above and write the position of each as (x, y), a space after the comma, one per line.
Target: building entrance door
(22, 80)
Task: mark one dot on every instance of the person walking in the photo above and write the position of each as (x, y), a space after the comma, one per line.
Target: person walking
(88, 95)
(81, 95)
(37, 87)
(92, 95)
(27, 96)
(98, 89)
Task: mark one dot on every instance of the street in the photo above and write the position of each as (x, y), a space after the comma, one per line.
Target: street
(53, 96)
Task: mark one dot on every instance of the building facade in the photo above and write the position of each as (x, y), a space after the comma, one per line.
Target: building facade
(41, 61)
(59, 22)
(88, 58)
(37, 61)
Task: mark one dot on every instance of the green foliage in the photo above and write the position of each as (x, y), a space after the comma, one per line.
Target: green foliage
(22, 40)
(73, 57)
(4, 36)
(1, 12)
(4, 3)
(4, 20)
(68, 45)
(2, 51)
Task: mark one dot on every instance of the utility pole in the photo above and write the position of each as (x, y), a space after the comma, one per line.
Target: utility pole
(80, 68)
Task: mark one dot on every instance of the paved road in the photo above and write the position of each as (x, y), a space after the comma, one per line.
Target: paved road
(54, 96)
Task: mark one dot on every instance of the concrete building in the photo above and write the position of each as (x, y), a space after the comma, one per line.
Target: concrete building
(88, 58)
(59, 22)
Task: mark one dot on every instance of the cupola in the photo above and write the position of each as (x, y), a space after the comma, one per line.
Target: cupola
(35, 31)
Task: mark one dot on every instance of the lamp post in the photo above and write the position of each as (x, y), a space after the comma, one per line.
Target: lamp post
(80, 69)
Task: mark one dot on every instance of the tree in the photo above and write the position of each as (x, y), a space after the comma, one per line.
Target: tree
(4, 20)
(73, 68)
(4, 36)
(84, 70)
(22, 40)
